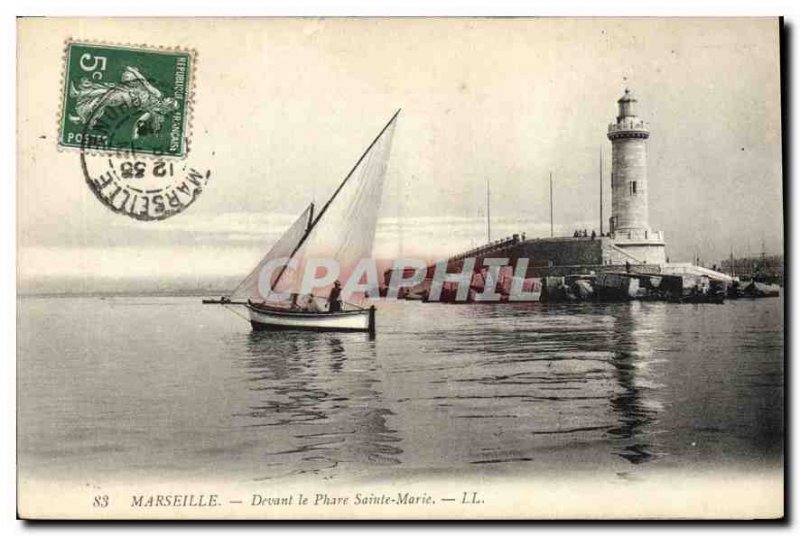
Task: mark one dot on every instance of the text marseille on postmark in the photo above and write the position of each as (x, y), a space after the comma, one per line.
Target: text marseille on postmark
(126, 99)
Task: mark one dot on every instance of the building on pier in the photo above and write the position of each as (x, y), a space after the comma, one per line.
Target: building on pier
(630, 244)
(631, 238)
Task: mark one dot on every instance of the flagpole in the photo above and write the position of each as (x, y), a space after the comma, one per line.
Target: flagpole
(551, 204)
(488, 214)
(601, 191)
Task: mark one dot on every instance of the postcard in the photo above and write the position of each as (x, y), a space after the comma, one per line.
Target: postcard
(400, 268)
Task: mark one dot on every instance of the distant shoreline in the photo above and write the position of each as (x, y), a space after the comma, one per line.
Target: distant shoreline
(53, 287)
(122, 294)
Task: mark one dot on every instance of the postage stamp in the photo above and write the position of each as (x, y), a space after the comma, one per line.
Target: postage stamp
(126, 99)
(127, 108)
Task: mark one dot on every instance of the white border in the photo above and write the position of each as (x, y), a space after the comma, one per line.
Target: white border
(564, 8)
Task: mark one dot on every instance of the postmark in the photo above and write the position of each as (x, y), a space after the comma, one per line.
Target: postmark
(129, 99)
(126, 110)
(144, 189)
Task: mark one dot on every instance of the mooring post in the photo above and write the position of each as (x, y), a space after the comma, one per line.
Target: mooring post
(372, 321)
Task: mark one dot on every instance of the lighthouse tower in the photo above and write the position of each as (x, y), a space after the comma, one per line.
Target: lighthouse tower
(628, 169)
(632, 239)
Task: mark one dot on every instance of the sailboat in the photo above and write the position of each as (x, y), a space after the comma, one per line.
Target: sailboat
(343, 231)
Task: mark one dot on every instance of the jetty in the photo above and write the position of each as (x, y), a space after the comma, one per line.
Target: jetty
(627, 262)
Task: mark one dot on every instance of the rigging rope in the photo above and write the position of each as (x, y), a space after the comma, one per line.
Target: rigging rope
(236, 312)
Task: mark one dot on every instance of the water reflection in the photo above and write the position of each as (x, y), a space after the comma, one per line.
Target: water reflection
(338, 356)
(635, 403)
(544, 388)
(317, 399)
(498, 385)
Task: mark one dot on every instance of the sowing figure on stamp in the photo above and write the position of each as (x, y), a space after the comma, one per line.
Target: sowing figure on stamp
(135, 92)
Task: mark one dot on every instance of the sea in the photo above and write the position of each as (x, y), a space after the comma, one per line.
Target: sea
(137, 387)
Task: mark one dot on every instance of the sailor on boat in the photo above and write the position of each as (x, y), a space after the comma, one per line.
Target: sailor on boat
(334, 298)
(311, 305)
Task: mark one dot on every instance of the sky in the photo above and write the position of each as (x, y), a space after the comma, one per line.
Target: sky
(283, 108)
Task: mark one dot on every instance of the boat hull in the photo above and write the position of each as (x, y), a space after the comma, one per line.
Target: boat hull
(761, 290)
(273, 320)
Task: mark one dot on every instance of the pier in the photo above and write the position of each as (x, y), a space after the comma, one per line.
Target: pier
(627, 262)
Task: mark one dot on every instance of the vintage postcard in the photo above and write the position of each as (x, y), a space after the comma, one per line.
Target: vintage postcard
(417, 268)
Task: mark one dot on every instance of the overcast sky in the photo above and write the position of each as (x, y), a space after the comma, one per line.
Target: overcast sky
(284, 107)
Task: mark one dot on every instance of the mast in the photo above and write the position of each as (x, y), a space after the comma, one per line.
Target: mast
(551, 204)
(400, 217)
(313, 222)
(601, 191)
(488, 214)
(366, 151)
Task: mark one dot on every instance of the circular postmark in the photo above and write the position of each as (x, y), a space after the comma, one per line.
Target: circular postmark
(146, 186)
(127, 110)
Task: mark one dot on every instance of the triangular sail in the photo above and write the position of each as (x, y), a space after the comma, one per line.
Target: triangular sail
(345, 230)
(284, 247)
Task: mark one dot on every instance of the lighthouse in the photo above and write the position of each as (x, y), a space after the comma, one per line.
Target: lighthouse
(628, 137)
(632, 239)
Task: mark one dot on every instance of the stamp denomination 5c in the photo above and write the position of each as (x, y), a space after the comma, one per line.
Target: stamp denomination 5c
(126, 99)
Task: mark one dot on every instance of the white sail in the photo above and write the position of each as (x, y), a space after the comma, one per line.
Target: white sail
(284, 247)
(345, 229)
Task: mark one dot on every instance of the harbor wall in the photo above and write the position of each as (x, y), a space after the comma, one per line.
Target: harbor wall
(648, 250)
(565, 270)
(546, 252)
(571, 255)
(562, 256)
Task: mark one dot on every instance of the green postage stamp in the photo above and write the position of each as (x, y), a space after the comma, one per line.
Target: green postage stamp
(126, 99)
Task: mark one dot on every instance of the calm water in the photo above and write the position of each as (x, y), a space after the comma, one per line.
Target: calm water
(169, 387)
